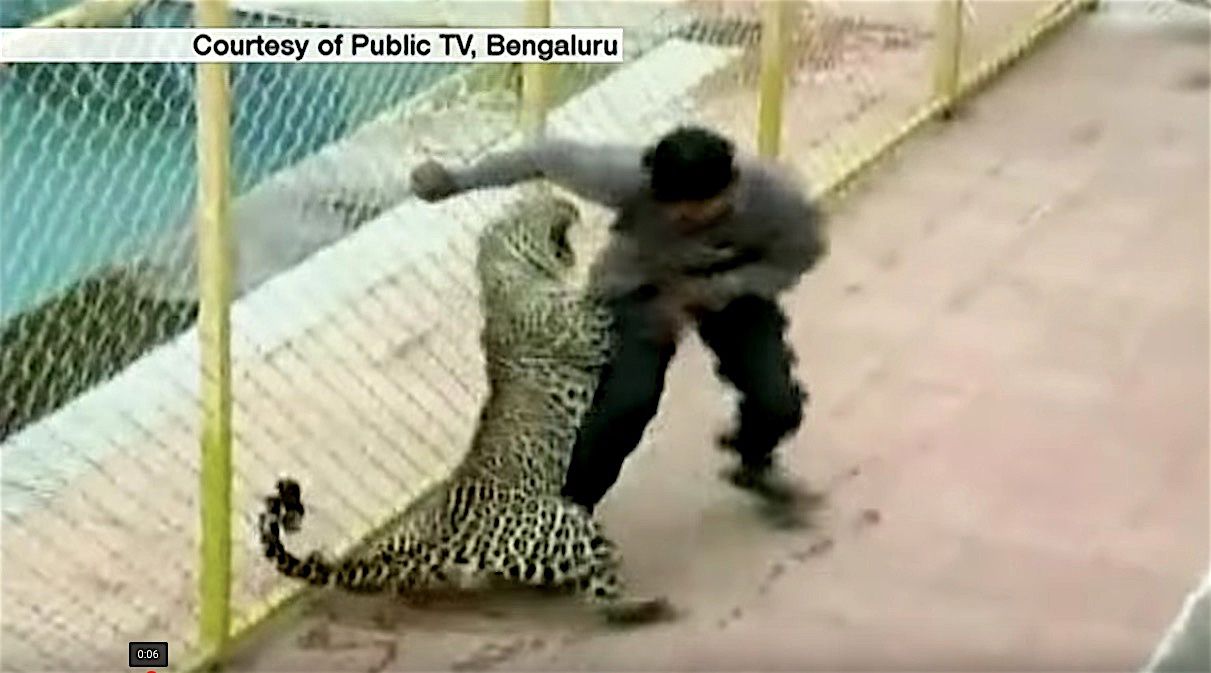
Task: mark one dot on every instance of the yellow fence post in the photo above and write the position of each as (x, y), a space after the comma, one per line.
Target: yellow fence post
(774, 31)
(214, 331)
(536, 77)
(948, 44)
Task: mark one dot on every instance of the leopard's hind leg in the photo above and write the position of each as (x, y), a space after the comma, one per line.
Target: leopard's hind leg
(545, 541)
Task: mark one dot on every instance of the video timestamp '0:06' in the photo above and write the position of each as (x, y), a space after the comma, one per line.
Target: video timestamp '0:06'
(148, 655)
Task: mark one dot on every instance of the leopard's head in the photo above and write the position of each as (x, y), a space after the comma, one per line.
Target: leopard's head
(529, 242)
(531, 307)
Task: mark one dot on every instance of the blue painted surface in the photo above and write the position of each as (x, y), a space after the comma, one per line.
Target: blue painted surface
(17, 13)
(99, 158)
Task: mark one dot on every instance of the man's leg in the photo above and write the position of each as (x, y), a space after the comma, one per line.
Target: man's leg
(747, 337)
(626, 400)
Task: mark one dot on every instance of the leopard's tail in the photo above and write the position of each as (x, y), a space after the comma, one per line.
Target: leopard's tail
(284, 512)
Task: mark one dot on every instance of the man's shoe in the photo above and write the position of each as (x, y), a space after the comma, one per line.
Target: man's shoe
(769, 483)
(785, 503)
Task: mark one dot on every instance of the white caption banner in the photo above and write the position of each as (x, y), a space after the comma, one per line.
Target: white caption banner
(311, 45)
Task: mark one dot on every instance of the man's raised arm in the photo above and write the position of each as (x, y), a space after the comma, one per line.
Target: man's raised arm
(606, 174)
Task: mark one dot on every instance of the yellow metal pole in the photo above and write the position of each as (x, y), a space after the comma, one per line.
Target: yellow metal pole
(774, 33)
(948, 43)
(536, 77)
(214, 329)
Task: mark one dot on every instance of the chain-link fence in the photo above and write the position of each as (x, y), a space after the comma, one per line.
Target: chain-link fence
(355, 365)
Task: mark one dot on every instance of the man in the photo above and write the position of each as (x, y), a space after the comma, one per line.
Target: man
(699, 238)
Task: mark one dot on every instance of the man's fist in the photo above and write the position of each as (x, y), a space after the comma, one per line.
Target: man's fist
(432, 182)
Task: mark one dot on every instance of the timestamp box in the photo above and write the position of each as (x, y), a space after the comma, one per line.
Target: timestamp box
(148, 655)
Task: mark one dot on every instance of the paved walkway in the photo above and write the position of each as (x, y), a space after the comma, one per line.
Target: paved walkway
(1008, 352)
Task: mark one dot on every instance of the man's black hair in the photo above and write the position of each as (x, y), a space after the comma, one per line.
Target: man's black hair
(690, 164)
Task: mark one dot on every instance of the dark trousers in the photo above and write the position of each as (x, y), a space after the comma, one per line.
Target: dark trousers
(746, 337)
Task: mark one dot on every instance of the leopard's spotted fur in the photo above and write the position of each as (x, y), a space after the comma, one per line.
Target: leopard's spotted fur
(499, 514)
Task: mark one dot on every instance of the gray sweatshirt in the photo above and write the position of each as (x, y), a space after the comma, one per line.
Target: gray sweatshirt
(767, 239)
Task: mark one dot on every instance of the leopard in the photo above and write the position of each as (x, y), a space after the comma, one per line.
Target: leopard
(499, 515)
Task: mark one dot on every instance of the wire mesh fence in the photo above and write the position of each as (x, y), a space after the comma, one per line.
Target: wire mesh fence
(355, 364)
